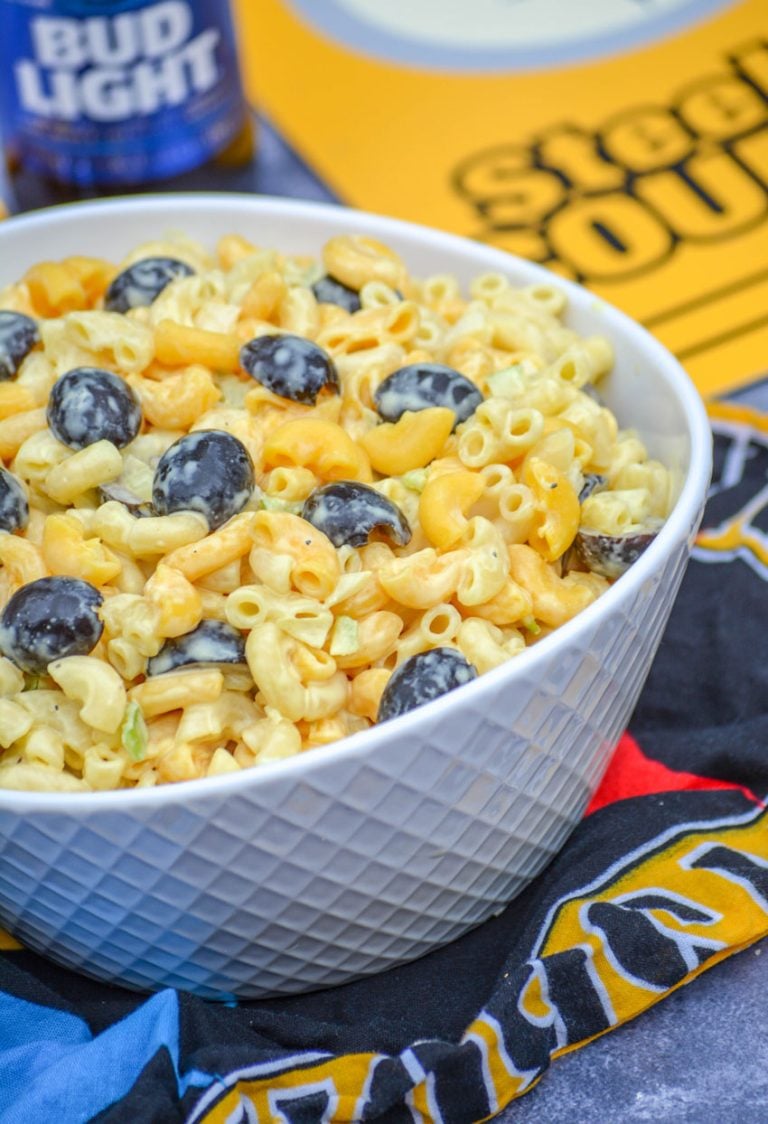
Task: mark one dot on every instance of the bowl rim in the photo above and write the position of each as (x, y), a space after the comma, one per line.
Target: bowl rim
(679, 524)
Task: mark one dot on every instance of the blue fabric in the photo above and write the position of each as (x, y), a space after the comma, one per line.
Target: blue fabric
(53, 1068)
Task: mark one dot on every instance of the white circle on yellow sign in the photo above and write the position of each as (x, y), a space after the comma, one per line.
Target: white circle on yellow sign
(511, 35)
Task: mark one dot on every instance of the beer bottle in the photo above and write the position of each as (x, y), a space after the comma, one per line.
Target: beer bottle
(105, 97)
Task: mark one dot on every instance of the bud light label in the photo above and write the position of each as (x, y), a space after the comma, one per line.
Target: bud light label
(125, 92)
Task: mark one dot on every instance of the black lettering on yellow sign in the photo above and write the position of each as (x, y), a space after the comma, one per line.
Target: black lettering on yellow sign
(615, 203)
(713, 198)
(592, 233)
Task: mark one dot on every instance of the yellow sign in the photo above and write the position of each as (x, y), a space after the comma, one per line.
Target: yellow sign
(626, 148)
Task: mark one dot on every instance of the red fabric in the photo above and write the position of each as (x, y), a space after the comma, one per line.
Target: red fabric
(631, 773)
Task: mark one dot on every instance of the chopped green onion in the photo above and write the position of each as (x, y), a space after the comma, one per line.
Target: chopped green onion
(530, 624)
(511, 381)
(415, 480)
(507, 381)
(344, 638)
(133, 732)
(272, 503)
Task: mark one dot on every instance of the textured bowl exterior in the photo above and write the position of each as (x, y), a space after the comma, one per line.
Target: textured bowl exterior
(356, 857)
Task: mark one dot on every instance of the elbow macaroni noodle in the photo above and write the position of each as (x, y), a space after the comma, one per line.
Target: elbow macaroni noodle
(493, 504)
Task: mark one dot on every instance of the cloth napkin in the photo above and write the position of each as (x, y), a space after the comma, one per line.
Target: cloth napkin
(666, 875)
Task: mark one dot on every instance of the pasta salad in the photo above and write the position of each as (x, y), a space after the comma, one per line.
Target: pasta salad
(252, 503)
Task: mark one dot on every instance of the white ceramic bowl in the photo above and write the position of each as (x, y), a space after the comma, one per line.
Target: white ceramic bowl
(370, 852)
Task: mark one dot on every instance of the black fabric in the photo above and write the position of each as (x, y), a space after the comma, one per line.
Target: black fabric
(152, 1099)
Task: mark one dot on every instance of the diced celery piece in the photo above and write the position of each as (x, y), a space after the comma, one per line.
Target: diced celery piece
(133, 732)
(344, 639)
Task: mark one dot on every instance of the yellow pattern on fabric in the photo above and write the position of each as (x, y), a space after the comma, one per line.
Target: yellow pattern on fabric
(342, 1079)
(504, 1081)
(746, 416)
(733, 913)
(703, 888)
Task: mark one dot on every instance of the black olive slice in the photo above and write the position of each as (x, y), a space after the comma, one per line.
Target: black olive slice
(49, 619)
(419, 386)
(593, 482)
(18, 335)
(119, 493)
(14, 506)
(422, 678)
(212, 643)
(208, 471)
(329, 291)
(290, 366)
(611, 555)
(348, 513)
(143, 282)
(87, 405)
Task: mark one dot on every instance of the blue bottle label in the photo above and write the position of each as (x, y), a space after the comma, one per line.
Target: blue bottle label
(111, 92)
